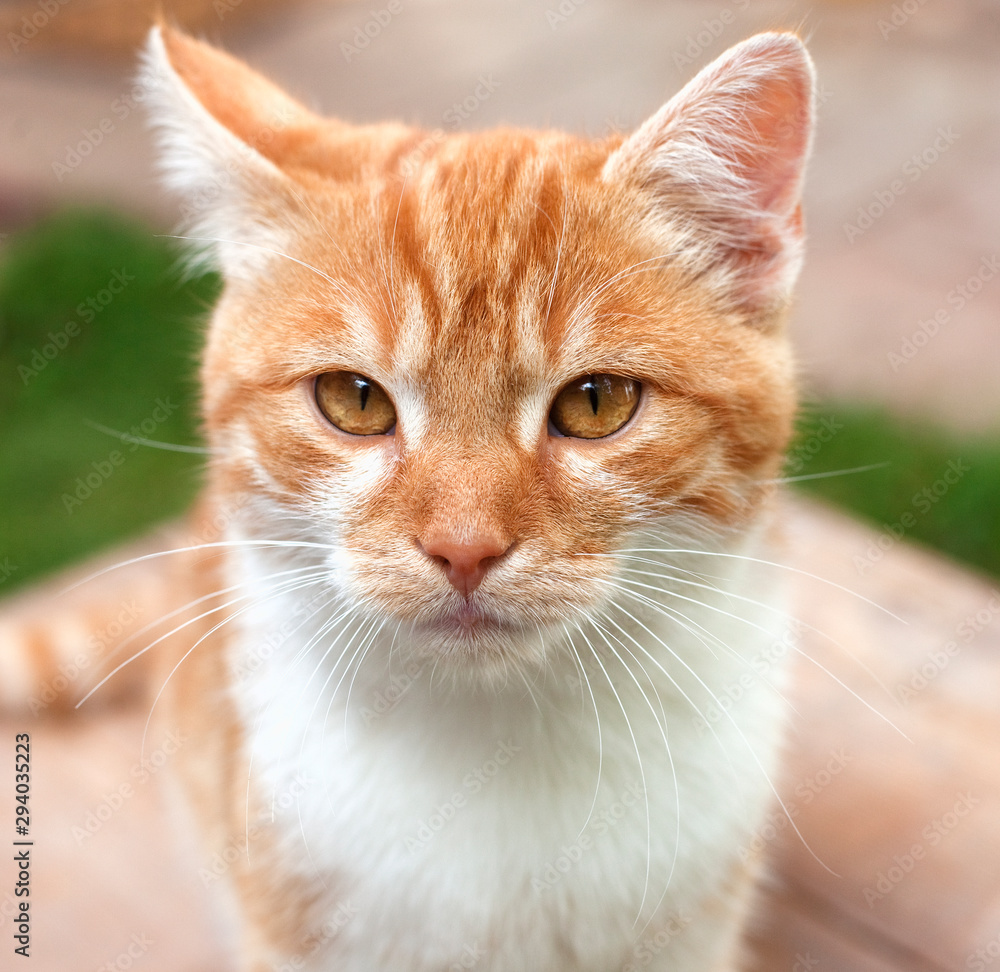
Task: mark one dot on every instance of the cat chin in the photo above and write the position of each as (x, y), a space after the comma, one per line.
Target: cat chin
(485, 652)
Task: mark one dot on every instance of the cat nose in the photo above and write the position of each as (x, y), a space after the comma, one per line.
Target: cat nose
(465, 562)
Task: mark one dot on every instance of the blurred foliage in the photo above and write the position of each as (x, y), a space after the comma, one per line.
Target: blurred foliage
(937, 487)
(74, 353)
(96, 326)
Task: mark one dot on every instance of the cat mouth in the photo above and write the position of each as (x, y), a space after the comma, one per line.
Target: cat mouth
(469, 621)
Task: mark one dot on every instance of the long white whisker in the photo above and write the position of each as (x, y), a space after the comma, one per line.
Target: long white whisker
(762, 604)
(296, 586)
(770, 563)
(205, 597)
(347, 702)
(642, 772)
(753, 755)
(662, 726)
(218, 544)
(828, 475)
(294, 583)
(337, 284)
(152, 443)
(585, 680)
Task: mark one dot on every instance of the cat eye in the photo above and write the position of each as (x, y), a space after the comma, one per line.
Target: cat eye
(354, 403)
(594, 406)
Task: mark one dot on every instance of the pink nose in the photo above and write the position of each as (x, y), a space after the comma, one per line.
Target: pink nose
(465, 564)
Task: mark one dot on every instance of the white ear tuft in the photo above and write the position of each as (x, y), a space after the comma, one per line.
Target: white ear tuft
(726, 157)
(224, 182)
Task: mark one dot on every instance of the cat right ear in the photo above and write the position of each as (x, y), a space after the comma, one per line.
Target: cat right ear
(225, 133)
(723, 163)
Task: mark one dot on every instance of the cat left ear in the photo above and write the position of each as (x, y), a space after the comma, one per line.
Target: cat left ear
(730, 150)
(224, 131)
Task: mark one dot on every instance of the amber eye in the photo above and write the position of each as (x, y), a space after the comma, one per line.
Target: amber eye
(594, 406)
(355, 403)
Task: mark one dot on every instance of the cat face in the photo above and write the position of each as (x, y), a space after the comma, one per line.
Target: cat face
(477, 368)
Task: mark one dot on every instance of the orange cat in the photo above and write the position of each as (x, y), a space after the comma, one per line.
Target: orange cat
(494, 423)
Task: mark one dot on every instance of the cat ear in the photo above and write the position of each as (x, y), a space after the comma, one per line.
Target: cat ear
(224, 134)
(728, 152)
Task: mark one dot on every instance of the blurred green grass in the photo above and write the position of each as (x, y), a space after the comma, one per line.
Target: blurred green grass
(74, 353)
(929, 484)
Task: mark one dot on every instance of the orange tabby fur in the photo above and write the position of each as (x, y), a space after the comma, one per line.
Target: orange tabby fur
(476, 272)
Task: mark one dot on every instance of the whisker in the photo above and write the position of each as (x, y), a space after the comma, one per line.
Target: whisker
(753, 755)
(769, 563)
(827, 475)
(392, 247)
(585, 680)
(762, 604)
(198, 600)
(218, 544)
(294, 583)
(662, 726)
(187, 654)
(350, 687)
(337, 284)
(152, 443)
(642, 772)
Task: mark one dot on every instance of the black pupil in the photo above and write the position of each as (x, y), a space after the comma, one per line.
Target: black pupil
(364, 388)
(590, 388)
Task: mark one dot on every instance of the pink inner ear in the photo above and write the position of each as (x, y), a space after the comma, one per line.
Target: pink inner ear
(731, 148)
(771, 150)
(753, 109)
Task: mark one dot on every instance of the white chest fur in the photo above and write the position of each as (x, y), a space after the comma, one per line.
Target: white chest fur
(583, 819)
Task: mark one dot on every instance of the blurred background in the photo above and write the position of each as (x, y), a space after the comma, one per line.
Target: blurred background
(896, 328)
(897, 336)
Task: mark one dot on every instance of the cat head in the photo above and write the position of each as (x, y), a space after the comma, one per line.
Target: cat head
(475, 368)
